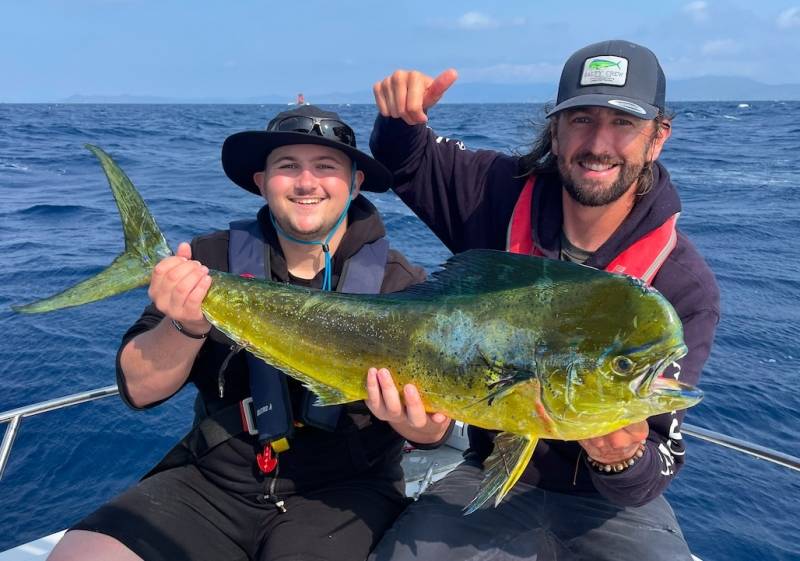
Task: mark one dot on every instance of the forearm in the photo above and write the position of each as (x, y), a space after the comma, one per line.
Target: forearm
(440, 180)
(155, 364)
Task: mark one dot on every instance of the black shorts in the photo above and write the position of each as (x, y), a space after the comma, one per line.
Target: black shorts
(178, 514)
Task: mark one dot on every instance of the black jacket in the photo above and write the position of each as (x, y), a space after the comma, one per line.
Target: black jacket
(467, 198)
(360, 443)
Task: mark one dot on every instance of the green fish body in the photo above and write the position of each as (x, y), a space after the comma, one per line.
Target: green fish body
(603, 64)
(531, 347)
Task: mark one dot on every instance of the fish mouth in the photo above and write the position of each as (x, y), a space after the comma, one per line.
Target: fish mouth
(651, 382)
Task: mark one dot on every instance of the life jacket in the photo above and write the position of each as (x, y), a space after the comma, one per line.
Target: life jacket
(642, 259)
(248, 255)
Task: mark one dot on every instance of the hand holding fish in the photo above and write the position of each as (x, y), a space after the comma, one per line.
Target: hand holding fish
(407, 417)
(408, 94)
(617, 446)
(178, 287)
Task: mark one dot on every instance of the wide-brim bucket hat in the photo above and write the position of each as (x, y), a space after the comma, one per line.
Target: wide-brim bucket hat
(245, 153)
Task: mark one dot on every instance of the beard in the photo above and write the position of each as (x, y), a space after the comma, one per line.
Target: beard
(593, 193)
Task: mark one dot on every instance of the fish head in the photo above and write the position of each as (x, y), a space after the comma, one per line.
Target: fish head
(612, 366)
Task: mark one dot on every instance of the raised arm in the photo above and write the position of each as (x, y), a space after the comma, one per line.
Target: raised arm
(442, 181)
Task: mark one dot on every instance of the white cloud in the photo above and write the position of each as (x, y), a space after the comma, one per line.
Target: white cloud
(698, 11)
(720, 47)
(789, 18)
(476, 20)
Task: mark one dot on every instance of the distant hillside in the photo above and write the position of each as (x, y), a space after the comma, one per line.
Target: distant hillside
(80, 98)
(727, 88)
(707, 88)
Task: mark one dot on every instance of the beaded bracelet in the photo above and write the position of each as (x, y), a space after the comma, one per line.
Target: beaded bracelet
(618, 466)
(181, 329)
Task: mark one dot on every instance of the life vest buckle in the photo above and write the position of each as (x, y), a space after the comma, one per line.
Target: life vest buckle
(247, 410)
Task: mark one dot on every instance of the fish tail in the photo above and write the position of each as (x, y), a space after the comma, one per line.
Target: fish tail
(144, 247)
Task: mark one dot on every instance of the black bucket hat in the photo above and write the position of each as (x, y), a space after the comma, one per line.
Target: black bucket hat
(244, 153)
(616, 74)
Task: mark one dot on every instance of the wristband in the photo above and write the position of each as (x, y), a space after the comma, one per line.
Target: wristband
(182, 330)
(618, 466)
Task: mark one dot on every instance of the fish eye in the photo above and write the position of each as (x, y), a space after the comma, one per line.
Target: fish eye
(622, 365)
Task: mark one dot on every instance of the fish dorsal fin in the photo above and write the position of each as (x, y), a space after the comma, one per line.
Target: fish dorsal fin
(479, 271)
(503, 468)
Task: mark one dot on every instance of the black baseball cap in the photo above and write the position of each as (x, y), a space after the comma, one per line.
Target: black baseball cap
(615, 74)
(245, 153)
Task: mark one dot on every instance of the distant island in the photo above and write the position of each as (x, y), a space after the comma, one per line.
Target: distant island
(707, 88)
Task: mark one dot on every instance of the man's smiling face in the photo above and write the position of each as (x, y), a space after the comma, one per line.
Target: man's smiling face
(307, 187)
(601, 152)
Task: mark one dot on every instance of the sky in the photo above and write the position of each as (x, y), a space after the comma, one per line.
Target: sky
(53, 49)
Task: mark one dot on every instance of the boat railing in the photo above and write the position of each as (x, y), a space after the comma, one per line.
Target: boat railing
(14, 418)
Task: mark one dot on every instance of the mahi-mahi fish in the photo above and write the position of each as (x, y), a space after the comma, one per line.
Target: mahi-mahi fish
(531, 347)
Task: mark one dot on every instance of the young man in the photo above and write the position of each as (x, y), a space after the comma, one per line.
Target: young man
(593, 192)
(265, 474)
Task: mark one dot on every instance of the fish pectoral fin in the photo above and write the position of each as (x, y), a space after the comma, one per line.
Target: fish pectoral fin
(498, 390)
(503, 468)
(510, 378)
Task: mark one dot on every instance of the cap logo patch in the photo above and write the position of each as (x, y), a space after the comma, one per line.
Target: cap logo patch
(611, 70)
(627, 105)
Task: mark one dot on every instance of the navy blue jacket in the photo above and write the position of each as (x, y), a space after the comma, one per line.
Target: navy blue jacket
(467, 197)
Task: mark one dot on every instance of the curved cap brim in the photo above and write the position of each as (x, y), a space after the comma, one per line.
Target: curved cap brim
(619, 103)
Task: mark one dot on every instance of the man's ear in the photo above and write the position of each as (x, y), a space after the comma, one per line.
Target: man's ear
(260, 178)
(359, 180)
(664, 132)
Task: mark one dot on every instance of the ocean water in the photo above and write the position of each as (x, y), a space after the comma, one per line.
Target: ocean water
(737, 172)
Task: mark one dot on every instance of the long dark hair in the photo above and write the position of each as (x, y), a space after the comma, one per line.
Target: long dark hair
(541, 160)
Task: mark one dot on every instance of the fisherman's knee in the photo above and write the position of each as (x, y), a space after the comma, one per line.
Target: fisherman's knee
(81, 545)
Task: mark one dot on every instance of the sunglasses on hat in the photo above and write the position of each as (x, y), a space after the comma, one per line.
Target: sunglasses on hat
(328, 128)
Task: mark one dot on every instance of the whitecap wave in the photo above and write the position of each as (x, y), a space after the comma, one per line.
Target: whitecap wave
(13, 166)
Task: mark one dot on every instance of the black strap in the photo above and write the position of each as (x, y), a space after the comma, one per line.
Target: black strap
(207, 434)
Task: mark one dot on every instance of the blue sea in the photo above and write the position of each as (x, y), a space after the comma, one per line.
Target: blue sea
(736, 166)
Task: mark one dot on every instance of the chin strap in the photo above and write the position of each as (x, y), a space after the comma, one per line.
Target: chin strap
(326, 280)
